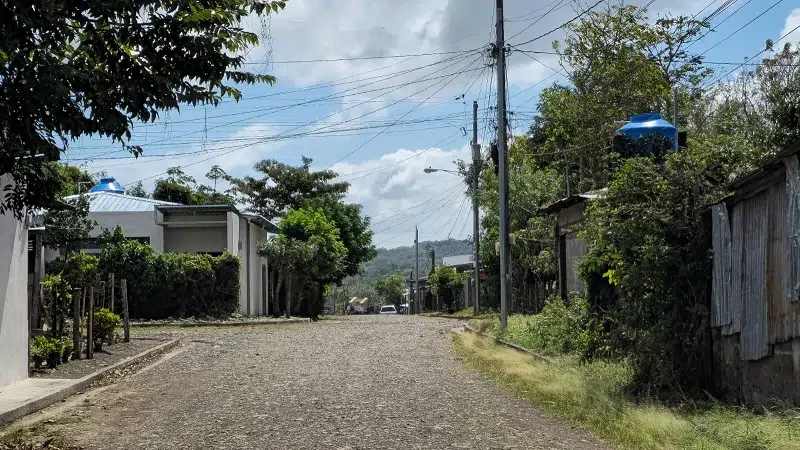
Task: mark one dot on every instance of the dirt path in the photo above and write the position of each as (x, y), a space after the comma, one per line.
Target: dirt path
(364, 383)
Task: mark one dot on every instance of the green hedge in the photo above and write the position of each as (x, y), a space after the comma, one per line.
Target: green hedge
(167, 285)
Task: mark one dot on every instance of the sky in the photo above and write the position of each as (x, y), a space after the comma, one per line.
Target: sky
(378, 90)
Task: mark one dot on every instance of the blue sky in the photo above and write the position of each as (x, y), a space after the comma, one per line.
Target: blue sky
(379, 122)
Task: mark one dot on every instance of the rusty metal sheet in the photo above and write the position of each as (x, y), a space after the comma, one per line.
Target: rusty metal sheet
(755, 335)
(737, 270)
(793, 219)
(783, 311)
(721, 309)
(576, 249)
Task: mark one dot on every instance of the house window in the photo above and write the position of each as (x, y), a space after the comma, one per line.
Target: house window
(214, 254)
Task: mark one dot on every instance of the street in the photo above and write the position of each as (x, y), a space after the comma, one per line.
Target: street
(356, 383)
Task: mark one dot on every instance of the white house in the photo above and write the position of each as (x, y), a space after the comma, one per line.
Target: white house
(13, 297)
(170, 227)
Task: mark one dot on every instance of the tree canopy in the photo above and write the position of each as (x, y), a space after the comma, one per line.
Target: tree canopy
(77, 68)
(391, 288)
(282, 187)
(178, 187)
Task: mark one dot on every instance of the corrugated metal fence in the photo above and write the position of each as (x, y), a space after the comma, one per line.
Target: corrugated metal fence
(756, 274)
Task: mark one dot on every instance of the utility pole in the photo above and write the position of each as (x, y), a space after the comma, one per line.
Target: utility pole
(476, 164)
(505, 273)
(675, 106)
(416, 271)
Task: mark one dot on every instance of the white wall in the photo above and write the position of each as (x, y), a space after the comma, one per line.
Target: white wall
(134, 224)
(13, 299)
(195, 239)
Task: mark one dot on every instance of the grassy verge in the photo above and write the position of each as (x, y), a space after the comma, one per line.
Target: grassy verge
(588, 396)
(466, 313)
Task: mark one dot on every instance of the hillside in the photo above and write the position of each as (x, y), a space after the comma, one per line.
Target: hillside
(401, 259)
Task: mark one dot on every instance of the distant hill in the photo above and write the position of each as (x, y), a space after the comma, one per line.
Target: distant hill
(401, 259)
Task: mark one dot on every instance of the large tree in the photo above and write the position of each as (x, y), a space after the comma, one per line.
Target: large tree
(354, 232)
(392, 289)
(282, 187)
(178, 187)
(93, 68)
(67, 226)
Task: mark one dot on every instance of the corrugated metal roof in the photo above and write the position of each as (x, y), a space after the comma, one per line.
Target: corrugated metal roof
(572, 200)
(457, 260)
(110, 202)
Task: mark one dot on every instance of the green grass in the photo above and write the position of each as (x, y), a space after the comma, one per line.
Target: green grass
(588, 396)
(466, 313)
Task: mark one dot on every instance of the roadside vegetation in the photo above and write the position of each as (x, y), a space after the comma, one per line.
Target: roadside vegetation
(591, 396)
(466, 313)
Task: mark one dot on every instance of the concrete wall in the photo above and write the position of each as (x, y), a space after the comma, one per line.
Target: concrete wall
(13, 299)
(195, 239)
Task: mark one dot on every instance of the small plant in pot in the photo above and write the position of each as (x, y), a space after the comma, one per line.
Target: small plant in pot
(55, 350)
(39, 351)
(67, 346)
(103, 327)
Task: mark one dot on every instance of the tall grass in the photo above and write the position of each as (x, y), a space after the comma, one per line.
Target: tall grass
(589, 396)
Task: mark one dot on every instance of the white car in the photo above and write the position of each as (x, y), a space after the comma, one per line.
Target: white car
(388, 309)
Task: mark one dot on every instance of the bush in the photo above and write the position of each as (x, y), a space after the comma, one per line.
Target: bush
(41, 348)
(104, 326)
(171, 284)
(560, 328)
(67, 345)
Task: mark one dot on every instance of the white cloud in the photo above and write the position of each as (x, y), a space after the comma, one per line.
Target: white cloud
(792, 22)
(397, 194)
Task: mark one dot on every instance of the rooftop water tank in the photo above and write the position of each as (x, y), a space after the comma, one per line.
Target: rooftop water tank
(108, 185)
(645, 125)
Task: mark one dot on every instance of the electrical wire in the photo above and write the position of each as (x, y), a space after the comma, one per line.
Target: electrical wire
(583, 13)
(742, 27)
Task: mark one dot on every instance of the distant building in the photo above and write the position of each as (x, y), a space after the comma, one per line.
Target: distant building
(170, 227)
(570, 212)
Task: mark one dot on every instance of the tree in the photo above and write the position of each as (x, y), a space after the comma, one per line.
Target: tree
(178, 187)
(77, 68)
(447, 283)
(392, 288)
(354, 232)
(67, 228)
(137, 191)
(287, 255)
(75, 180)
(283, 187)
(216, 174)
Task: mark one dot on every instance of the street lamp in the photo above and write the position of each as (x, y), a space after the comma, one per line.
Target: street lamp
(432, 170)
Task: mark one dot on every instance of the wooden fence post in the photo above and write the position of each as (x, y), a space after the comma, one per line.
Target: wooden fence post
(89, 340)
(123, 286)
(102, 295)
(76, 324)
(111, 275)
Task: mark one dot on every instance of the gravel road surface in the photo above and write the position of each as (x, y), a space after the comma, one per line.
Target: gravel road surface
(370, 382)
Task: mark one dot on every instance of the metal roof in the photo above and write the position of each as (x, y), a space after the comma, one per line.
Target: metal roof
(111, 202)
(457, 260)
(565, 203)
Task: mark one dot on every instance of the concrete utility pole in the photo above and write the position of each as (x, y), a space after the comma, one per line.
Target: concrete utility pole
(505, 272)
(416, 271)
(675, 107)
(476, 164)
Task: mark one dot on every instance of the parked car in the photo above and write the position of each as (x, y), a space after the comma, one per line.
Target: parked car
(388, 309)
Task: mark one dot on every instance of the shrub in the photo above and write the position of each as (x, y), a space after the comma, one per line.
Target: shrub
(103, 327)
(171, 284)
(41, 348)
(67, 345)
(560, 328)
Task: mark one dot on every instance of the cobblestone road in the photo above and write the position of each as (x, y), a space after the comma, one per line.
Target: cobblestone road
(362, 383)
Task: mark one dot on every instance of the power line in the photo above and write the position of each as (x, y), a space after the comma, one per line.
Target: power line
(584, 12)
(401, 117)
(742, 27)
(352, 58)
(537, 20)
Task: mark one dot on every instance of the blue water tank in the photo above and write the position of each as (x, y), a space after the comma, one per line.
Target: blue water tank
(644, 125)
(108, 185)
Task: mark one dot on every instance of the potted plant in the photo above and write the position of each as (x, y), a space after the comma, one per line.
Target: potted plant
(104, 325)
(39, 351)
(54, 350)
(67, 346)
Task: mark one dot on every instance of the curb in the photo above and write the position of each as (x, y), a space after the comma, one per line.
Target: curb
(516, 347)
(218, 324)
(81, 384)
